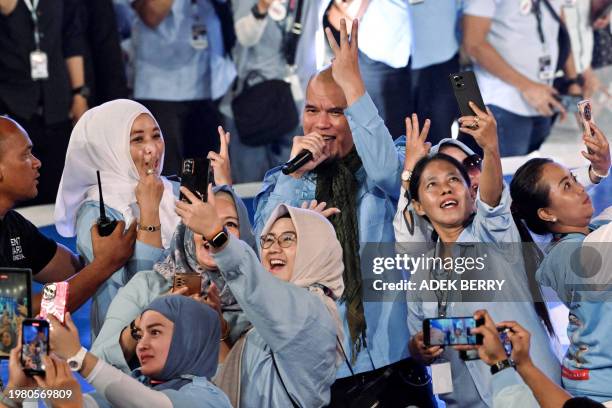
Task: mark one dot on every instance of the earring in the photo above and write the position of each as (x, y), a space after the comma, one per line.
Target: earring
(554, 220)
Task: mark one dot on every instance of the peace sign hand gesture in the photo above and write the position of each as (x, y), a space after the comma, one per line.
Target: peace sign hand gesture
(345, 64)
(220, 162)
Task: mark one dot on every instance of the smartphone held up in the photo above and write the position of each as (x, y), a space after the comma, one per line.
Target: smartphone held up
(451, 331)
(34, 346)
(195, 176)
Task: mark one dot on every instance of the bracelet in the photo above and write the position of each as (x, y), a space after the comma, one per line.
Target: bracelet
(149, 228)
(599, 176)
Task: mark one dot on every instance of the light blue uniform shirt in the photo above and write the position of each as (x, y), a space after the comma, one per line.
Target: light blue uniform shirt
(168, 68)
(490, 225)
(434, 35)
(589, 327)
(379, 184)
(288, 320)
(143, 258)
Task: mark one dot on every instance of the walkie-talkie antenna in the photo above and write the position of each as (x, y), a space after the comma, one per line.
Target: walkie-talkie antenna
(102, 210)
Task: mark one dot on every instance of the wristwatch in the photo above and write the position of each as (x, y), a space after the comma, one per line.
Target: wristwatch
(76, 362)
(219, 239)
(149, 228)
(82, 90)
(406, 176)
(502, 365)
(257, 14)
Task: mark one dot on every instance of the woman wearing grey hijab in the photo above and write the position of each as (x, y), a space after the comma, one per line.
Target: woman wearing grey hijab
(178, 347)
(189, 253)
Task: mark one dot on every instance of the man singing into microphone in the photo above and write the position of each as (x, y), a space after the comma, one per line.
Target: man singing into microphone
(355, 167)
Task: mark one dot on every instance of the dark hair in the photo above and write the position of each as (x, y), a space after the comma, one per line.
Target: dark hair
(419, 168)
(528, 195)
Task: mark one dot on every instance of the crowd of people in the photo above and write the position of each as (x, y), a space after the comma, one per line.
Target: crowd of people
(281, 317)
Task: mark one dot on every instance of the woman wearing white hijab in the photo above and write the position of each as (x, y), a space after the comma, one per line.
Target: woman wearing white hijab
(122, 140)
(289, 357)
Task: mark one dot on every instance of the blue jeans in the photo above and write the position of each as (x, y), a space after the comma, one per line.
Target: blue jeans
(389, 88)
(520, 135)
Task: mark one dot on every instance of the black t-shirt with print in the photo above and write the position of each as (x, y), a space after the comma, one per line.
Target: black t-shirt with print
(22, 245)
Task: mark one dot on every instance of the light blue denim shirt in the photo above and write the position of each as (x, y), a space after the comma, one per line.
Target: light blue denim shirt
(493, 226)
(588, 361)
(143, 258)
(434, 34)
(288, 320)
(168, 68)
(379, 184)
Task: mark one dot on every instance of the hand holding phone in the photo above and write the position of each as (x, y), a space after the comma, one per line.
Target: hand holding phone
(34, 345)
(419, 348)
(191, 281)
(54, 300)
(586, 116)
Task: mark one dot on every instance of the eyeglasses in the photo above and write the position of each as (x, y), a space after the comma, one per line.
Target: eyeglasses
(285, 240)
(472, 162)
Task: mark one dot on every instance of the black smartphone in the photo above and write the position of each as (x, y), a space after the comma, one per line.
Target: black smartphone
(451, 331)
(34, 345)
(195, 176)
(466, 89)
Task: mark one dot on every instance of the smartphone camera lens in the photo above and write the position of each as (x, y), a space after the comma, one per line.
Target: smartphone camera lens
(460, 85)
(457, 78)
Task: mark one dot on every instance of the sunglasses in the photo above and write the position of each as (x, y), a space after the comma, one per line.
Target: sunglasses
(472, 162)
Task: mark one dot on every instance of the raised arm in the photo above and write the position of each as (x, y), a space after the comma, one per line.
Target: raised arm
(381, 157)
(483, 128)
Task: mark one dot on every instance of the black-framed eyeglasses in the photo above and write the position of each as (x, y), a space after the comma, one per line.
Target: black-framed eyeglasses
(285, 240)
(472, 162)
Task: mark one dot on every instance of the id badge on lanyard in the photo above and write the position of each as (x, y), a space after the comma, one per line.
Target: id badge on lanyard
(39, 62)
(546, 69)
(199, 32)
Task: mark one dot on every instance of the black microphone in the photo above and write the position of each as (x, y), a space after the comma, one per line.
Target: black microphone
(303, 157)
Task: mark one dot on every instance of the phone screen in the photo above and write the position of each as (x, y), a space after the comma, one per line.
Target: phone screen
(35, 345)
(505, 340)
(450, 331)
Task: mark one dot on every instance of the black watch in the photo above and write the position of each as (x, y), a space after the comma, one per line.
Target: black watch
(257, 14)
(81, 90)
(502, 365)
(219, 239)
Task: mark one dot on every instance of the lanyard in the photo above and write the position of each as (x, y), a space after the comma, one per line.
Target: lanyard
(537, 11)
(32, 5)
(441, 296)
